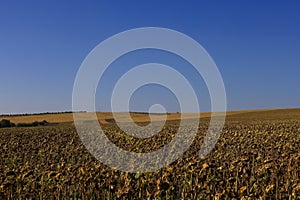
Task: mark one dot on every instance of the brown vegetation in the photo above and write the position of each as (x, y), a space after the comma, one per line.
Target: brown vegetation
(257, 156)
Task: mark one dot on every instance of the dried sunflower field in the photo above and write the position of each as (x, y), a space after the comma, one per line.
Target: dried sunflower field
(256, 157)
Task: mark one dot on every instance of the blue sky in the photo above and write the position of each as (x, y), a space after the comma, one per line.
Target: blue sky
(255, 44)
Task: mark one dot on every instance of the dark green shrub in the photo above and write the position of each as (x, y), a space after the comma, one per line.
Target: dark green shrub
(36, 123)
(23, 124)
(43, 123)
(6, 123)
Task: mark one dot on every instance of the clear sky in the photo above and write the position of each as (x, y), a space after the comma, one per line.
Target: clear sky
(255, 44)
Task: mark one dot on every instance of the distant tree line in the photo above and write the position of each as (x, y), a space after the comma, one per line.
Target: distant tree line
(137, 112)
(45, 113)
(4, 123)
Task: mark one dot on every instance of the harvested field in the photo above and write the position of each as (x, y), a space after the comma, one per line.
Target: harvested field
(257, 156)
(107, 116)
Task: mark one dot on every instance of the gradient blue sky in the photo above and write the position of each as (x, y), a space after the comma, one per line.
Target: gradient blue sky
(255, 44)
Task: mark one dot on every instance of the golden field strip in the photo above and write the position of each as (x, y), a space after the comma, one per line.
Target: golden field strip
(105, 117)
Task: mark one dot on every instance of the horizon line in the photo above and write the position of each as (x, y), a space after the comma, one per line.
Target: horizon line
(139, 112)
